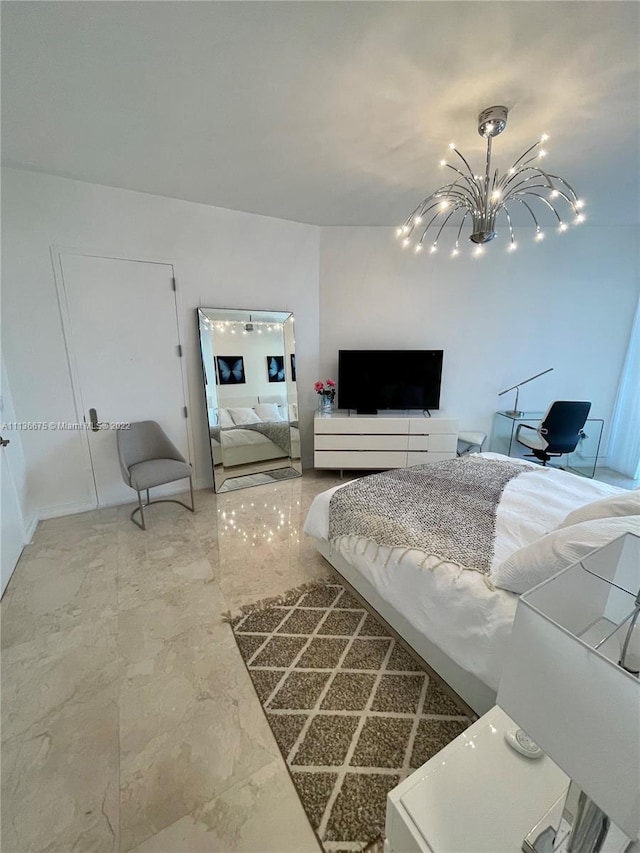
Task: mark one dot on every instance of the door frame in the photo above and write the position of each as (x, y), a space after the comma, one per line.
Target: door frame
(56, 251)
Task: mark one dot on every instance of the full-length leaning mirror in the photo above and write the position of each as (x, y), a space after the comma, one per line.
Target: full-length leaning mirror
(249, 370)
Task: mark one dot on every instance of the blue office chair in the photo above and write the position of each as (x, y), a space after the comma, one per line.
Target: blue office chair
(559, 432)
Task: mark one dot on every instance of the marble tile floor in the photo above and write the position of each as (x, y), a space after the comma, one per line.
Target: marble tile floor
(129, 722)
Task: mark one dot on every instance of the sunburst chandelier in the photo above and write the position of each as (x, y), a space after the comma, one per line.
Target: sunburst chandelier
(481, 198)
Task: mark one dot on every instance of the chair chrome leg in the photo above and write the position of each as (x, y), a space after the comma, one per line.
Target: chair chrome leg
(141, 524)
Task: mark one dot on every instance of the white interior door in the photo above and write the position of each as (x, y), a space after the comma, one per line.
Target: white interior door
(12, 528)
(123, 340)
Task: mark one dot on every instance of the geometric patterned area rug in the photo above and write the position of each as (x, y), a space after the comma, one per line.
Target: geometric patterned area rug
(351, 710)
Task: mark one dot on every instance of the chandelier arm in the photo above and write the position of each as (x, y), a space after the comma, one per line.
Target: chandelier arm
(431, 221)
(536, 174)
(468, 181)
(528, 151)
(567, 185)
(464, 161)
(438, 197)
(533, 216)
(444, 223)
(544, 201)
(461, 226)
(506, 213)
(523, 186)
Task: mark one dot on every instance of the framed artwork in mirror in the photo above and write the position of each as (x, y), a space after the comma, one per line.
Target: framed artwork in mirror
(230, 369)
(275, 368)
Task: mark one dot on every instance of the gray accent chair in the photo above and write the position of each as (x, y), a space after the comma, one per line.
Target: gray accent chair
(149, 458)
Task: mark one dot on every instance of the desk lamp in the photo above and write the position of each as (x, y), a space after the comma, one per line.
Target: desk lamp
(515, 413)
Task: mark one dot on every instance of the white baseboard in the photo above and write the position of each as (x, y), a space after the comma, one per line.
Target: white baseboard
(58, 510)
(87, 506)
(30, 528)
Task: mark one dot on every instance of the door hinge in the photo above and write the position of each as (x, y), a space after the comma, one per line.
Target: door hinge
(186, 413)
(179, 348)
(173, 284)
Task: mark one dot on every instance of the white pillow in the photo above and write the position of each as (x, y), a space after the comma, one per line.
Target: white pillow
(224, 419)
(244, 415)
(627, 503)
(561, 548)
(269, 411)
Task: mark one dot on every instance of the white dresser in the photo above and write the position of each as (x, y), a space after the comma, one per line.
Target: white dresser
(361, 442)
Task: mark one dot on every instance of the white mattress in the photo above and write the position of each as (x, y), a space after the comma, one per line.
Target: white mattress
(456, 609)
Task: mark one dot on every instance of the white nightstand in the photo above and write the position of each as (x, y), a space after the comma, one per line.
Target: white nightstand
(477, 795)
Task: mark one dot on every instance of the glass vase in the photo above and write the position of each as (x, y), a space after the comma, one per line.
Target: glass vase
(325, 404)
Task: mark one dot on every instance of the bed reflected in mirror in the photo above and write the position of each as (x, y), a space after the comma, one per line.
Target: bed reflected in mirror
(249, 373)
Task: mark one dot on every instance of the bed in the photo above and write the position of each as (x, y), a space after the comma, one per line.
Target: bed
(243, 435)
(456, 618)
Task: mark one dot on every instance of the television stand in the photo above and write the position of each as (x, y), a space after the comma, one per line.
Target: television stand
(366, 411)
(380, 442)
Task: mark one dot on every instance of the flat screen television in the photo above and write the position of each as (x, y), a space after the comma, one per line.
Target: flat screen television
(369, 380)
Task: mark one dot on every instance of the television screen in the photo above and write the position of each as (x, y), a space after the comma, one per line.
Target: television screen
(369, 380)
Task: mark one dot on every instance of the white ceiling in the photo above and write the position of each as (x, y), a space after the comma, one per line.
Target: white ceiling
(332, 113)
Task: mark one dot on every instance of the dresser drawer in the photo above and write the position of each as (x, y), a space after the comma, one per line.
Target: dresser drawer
(446, 442)
(362, 425)
(417, 457)
(361, 459)
(361, 442)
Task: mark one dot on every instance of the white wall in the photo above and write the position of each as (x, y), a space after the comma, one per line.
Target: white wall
(565, 303)
(222, 258)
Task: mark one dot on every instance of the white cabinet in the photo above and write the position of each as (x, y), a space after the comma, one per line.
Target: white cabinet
(477, 794)
(377, 442)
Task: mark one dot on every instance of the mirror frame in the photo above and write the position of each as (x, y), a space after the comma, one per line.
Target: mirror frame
(263, 464)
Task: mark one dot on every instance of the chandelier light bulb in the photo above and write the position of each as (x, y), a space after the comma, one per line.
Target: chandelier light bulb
(418, 248)
(399, 232)
(433, 249)
(483, 201)
(406, 242)
(512, 247)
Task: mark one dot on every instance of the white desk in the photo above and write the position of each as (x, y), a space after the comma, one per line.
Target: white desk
(477, 795)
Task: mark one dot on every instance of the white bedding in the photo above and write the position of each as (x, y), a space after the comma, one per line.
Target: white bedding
(453, 608)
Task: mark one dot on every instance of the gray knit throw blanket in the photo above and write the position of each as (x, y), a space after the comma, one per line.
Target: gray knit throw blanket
(447, 509)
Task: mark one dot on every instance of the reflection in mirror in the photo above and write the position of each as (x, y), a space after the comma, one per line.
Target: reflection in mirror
(249, 371)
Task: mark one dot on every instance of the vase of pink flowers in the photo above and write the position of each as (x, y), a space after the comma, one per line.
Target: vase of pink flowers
(326, 392)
